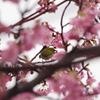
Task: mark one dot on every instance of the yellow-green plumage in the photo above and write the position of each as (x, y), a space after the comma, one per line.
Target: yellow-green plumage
(47, 53)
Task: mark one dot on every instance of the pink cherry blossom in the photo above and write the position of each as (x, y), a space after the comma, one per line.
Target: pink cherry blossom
(0, 53)
(74, 33)
(52, 8)
(82, 22)
(4, 28)
(42, 35)
(4, 78)
(57, 42)
(53, 86)
(85, 20)
(68, 85)
(22, 74)
(58, 55)
(39, 34)
(95, 29)
(24, 96)
(43, 91)
(90, 10)
(47, 5)
(81, 75)
(89, 36)
(26, 40)
(42, 3)
(90, 80)
(11, 53)
(96, 89)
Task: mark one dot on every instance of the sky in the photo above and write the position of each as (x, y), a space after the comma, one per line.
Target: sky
(9, 14)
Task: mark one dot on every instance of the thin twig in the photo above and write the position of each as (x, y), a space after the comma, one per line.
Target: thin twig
(26, 19)
(61, 23)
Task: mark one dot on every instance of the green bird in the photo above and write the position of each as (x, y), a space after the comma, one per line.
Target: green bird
(47, 53)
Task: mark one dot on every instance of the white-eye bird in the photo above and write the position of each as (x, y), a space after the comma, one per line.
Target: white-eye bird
(47, 53)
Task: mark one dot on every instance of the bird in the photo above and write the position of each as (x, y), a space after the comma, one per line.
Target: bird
(47, 53)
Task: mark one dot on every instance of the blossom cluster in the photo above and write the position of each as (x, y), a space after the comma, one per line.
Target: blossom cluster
(47, 5)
